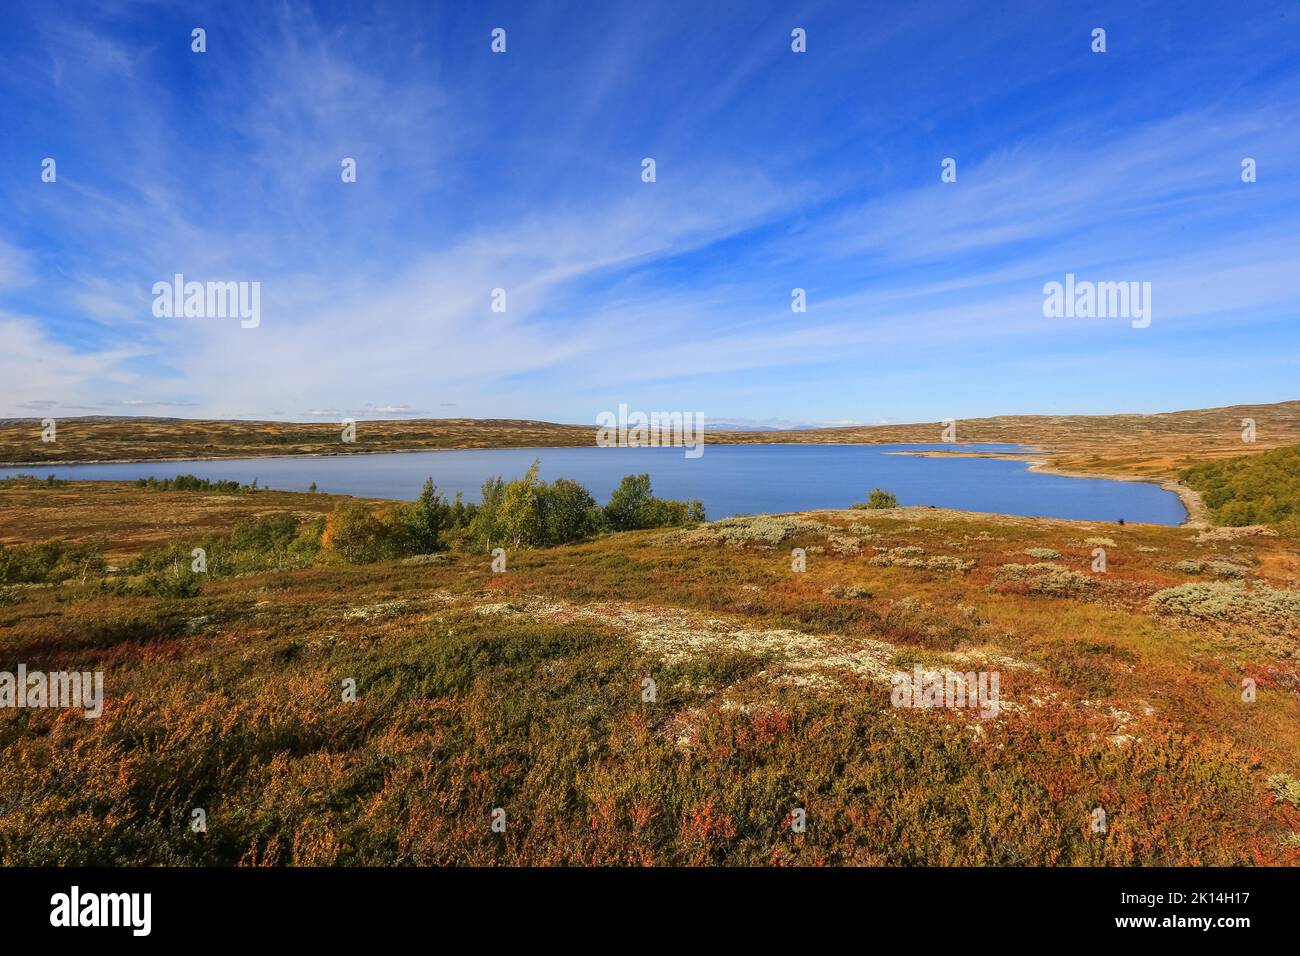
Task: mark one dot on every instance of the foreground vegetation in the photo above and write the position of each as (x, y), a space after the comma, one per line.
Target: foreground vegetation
(524, 693)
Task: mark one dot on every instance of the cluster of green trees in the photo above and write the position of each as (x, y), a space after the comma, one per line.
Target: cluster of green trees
(49, 562)
(193, 483)
(31, 481)
(524, 513)
(1254, 489)
(531, 513)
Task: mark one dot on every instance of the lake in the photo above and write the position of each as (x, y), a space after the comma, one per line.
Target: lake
(729, 479)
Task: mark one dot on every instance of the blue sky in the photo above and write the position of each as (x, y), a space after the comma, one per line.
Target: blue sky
(522, 171)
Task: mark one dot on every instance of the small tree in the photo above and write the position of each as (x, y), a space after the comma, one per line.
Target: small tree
(879, 498)
(519, 517)
(568, 512)
(422, 523)
(355, 534)
(629, 505)
(633, 506)
(484, 521)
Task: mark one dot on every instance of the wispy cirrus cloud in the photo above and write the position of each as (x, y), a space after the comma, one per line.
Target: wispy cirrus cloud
(522, 173)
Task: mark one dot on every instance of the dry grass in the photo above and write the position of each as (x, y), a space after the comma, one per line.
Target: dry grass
(127, 520)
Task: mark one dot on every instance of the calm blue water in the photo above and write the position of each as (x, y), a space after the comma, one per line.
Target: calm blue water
(729, 479)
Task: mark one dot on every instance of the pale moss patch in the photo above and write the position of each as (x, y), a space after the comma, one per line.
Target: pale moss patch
(856, 591)
(1286, 788)
(1231, 534)
(1262, 606)
(758, 529)
(1220, 569)
(914, 557)
(1045, 578)
(789, 656)
(843, 544)
(371, 612)
(1043, 554)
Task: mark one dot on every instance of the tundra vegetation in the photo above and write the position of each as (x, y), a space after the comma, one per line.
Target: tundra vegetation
(1125, 690)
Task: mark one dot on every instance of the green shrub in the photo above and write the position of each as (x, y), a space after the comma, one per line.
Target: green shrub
(49, 562)
(568, 512)
(357, 535)
(877, 499)
(633, 507)
(423, 523)
(31, 481)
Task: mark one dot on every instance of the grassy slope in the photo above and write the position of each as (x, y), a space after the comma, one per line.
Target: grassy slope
(523, 691)
(1146, 445)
